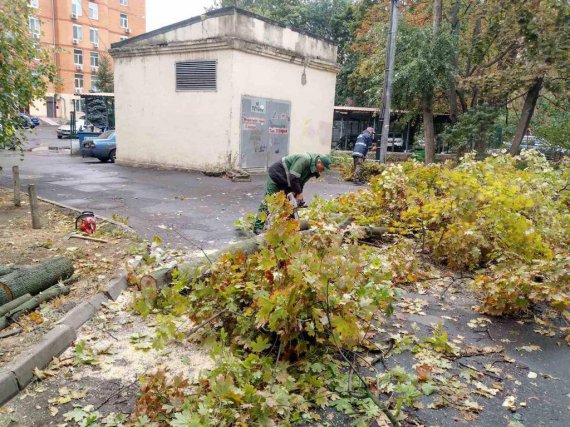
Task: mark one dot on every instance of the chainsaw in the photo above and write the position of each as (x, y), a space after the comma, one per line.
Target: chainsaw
(86, 222)
(296, 205)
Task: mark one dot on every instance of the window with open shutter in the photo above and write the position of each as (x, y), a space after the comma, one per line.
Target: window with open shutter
(196, 76)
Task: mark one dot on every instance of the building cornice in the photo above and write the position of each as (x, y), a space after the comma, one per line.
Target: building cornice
(224, 43)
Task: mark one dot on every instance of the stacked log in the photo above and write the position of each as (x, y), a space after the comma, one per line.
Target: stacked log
(21, 280)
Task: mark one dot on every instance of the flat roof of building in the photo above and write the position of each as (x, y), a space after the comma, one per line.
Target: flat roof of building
(212, 14)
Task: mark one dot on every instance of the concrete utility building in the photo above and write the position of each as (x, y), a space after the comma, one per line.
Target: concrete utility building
(228, 88)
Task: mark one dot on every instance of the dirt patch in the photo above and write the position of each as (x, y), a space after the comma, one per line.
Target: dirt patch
(103, 378)
(95, 263)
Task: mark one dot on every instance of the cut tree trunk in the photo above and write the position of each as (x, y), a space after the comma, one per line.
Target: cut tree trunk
(6, 308)
(34, 279)
(6, 269)
(526, 115)
(199, 268)
(31, 304)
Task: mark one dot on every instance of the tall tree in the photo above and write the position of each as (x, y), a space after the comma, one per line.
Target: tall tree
(428, 95)
(25, 68)
(105, 77)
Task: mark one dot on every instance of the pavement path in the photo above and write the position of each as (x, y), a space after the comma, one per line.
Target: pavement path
(185, 209)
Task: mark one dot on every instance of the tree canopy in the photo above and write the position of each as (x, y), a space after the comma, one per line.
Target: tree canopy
(25, 68)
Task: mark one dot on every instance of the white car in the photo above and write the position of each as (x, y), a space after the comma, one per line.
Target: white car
(64, 131)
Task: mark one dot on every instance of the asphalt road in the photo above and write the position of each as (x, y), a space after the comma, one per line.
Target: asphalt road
(185, 209)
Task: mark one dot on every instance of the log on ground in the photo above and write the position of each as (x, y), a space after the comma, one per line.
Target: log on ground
(6, 308)
(33, 303)
(34, 279)
(199, 267)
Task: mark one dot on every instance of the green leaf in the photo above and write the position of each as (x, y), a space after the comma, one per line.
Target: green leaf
(260, 344)
(428, 389)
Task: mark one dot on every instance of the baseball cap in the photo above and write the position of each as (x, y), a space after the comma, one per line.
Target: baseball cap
(326, 161)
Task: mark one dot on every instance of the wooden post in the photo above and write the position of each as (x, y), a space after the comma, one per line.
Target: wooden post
(16, 177)
(36, 223)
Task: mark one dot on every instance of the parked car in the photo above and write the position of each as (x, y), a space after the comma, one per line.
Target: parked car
(531, 142)
(23, 121)
(35, 120)
(103, 147)
(64, 131)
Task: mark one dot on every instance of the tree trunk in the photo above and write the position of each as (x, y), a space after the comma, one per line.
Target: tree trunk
(452, 84)
(427, 101)
(199, 268)
(34, 279)
(429, 133)
(31, 304)
(437, 15)
(50, 293)
(526, 115)
(6, 269)
(6, 308)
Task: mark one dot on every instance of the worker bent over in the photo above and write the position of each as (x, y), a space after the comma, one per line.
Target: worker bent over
(361, 147)
(290, 175)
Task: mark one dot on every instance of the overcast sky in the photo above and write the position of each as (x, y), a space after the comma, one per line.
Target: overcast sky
(164, 12)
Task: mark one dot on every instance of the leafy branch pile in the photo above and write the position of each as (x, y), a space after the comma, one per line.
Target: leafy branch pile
(506, 218)
(284, 325)
(291, 325)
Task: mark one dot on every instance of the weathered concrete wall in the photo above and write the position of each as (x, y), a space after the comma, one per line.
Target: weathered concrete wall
(312, 103)
(158, 126)
(195, 130)
(241, 26)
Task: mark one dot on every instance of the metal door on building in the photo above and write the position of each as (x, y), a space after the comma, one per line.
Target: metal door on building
(50, 102)
(264, 131)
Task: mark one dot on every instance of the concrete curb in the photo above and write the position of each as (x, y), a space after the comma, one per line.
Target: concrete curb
(78, 315)
(8, 386)
(78, 211)
(15, 376)
(116, 286)
(40, 355)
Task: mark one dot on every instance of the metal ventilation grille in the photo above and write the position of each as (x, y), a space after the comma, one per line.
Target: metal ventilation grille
(196, 75)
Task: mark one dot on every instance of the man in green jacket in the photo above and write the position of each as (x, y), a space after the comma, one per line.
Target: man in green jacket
(290, 175)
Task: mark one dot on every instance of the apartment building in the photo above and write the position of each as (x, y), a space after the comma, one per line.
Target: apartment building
(79, 32)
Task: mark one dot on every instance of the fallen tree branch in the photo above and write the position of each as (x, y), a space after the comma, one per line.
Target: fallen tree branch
(10, 333)
(92, 239)
(205, 322)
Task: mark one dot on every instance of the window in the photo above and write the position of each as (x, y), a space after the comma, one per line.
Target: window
(78, 106)
(196, 76)
(94, 35)
(78, 56)
(35, 3)
(124, 2)
(77, 32)
(79, 83)
(37, 51)
(124, 20)
(94, 59)
(94, 83)
(93, 11)
(34, 24)
(76, 8)
(123, 38)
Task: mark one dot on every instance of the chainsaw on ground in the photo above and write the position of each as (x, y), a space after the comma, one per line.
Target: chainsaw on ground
(86, 222)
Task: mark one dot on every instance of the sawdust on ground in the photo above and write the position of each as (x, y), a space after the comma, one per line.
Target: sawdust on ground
(95, 263)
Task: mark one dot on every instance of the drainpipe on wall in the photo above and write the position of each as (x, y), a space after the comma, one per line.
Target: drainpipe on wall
(54, 39)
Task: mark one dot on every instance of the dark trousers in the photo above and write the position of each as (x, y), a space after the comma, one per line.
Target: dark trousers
(358, 166)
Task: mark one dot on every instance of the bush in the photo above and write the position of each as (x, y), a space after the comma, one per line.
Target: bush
(502, 211)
